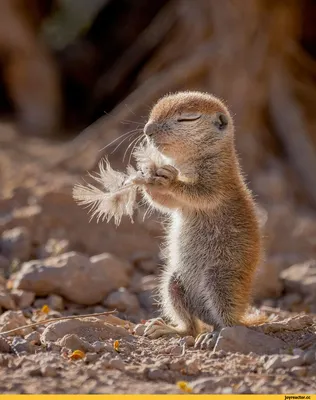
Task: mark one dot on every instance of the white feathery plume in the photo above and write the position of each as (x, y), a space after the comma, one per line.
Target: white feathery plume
(117, 196)
(114, 200)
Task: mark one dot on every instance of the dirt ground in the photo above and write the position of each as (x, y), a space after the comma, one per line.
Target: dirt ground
(82, 268)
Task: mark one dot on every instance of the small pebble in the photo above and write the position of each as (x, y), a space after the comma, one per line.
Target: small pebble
(176, 350)
(298, 352)
(177, 364)
(192, 367)
(33, 337)
(299, 371)
(91, 357)
(92, 372)
(101, 346)
(187, 340)
(309, 357)
(221, 354)
(156, 374)
(117, 363)
(311, 371)
(147, 360)
(48, 371)
(35, 371)
(139, 329)
(53, 347)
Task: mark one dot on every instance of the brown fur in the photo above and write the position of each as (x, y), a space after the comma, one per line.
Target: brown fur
(213, 242)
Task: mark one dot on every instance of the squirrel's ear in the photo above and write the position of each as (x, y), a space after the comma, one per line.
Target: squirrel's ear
(221, 121)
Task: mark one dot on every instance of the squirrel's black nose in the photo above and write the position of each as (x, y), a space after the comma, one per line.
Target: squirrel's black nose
(150, 128)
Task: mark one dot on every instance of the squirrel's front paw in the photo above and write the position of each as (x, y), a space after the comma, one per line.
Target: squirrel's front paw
(165, 175)
(162, 176)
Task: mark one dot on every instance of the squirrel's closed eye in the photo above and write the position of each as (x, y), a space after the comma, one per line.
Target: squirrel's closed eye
(188, 117)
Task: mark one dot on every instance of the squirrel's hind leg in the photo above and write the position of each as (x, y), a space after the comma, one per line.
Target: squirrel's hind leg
(176, 309)
(157, 327)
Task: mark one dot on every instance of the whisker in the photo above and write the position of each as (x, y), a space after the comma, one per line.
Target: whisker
(116, 139)
(131, 144)
(129, 109)
(129, 121)
(142, 137)
(131, 136)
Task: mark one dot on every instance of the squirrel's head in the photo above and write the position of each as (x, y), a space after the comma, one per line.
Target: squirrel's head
(187, 123)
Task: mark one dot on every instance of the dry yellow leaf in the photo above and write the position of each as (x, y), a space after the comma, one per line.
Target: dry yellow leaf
(77, 355)
(184, 386)
(116, 346)
(45, 309)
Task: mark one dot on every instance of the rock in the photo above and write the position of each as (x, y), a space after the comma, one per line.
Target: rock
(135, 284)
(176, 350)
(284, 361)
(99, 309)
(155, 374)
(35, 371)
(112, 262)
(91, 357)
(290, 324)
(311, 371)
(301, 278)
(117, 363)
(16, 244)
(53, 247)
(122, 300)
(73, 342)
(145, 262)
(92, 372)
(20, 345)
(148, 360)
(139, 329)
(177, 364)
(147, 302)
(244, 340)
(52, 347)
(55, 302)
(309, 357)
(187, 340)
(267, 281)
(5, 346)
(48, 371)
(101, 346)
(6, 300)
(192, 367)
(298, 352)
(299, 371)
(23, 298)
(89, 329)
(34, 338)
(73, 276)
(210, 384)
(12, 320)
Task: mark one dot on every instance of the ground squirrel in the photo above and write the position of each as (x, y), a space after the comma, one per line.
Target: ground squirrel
(213, 241)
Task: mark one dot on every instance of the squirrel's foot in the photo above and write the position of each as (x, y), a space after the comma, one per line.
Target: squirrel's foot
(206, 340)
(157, 327)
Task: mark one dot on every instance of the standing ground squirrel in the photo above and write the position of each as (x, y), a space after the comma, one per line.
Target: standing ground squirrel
(213, 241)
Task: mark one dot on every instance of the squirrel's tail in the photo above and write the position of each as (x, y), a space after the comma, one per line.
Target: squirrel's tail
(254, 318)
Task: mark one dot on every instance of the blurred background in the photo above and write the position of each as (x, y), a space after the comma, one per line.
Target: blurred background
(77, 74)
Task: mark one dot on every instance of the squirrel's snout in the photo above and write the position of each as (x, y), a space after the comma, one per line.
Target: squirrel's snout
(150, 128)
